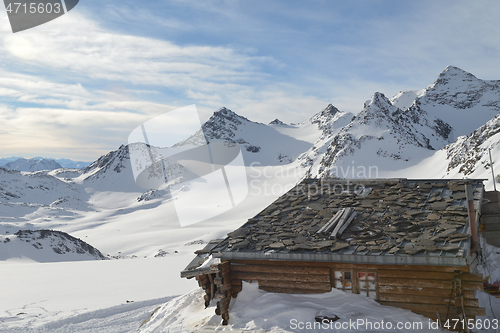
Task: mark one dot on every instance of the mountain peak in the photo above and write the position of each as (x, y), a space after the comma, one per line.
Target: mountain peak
(223, 125)
(379, 101)
(452, 73)
(113, 160)
(226, 114)
(324, 115)
(224, 110)
(277, 122)
(331, 109)
(453, 70)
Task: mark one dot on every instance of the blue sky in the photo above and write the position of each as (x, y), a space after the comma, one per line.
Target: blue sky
(77, 86)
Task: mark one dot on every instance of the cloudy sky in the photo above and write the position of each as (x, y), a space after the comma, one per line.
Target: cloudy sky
(77, 86)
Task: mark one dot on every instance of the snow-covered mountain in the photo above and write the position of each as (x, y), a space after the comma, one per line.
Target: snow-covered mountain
(67, 163)
(276, 122)
(468, 153)
(5, 160)
(25, 196)
(468, 156)
(23, 164)
(46, 246)
(381, 135)
(111, 172)
(32, 164)
(328, 122)
(390, 135)
(273, 144)
(456, 98)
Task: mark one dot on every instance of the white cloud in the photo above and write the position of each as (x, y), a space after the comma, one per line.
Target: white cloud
(20, 47)
(81, 48)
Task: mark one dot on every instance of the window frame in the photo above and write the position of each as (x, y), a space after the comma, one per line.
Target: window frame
(355, 282)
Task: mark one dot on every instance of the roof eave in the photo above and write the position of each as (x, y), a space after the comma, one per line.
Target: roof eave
(346, 258)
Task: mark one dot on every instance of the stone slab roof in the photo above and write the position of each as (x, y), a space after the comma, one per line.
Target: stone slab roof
(385, 221)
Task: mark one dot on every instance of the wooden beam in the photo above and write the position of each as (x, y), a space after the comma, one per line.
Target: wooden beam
(340, 265)
(224, 302)
(444, 284)
(388, 281)
(291, 290)
(281, 269)
(324, 287)
(223, 288)
(224, 265)
(250, 276)
(471, 277)
(390, 289)
(466, 285)
(429, 268)
(202, 282)
(427, 275)
(346, 224)
(212, 286)
(328, 225)
(346, 216)
(438, 300)
(430, 275)
(225, 318)
(452, 310)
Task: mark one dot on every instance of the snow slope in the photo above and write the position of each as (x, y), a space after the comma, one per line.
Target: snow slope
(69, 296)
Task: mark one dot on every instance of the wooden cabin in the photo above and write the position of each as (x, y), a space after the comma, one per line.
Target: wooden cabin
(407, 243)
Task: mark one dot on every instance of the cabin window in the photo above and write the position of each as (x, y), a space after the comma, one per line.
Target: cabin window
(356, 281)
(367, 283)
(343, 281)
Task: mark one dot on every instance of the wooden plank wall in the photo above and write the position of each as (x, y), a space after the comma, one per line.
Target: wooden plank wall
(430, 292)
(426, 290)
(283, 279)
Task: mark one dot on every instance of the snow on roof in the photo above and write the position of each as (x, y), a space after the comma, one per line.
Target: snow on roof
(202, 262)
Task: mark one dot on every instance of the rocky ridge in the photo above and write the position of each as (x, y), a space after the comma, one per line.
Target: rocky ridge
(224, 125)
(467, 152)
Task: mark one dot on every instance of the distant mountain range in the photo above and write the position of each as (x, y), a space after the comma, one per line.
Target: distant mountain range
(40, 163)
